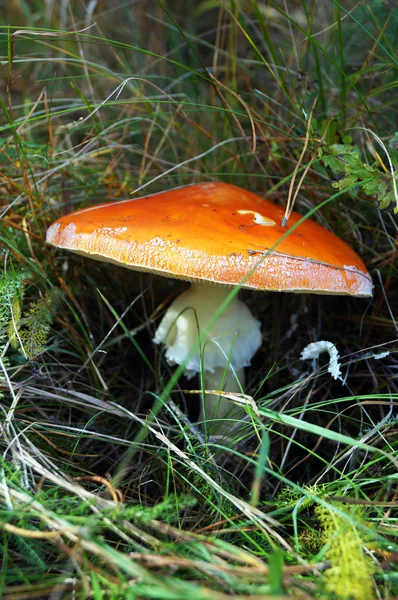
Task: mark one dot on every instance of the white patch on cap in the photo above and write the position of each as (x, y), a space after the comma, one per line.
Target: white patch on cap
(157, 241)
(52, 233)
(63, 238)
(258, 217)
(113, 230)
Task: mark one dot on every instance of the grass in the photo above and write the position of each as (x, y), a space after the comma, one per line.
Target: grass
(108, 489)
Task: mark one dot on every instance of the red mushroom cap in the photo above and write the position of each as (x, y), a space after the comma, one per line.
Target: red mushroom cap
(215, 232)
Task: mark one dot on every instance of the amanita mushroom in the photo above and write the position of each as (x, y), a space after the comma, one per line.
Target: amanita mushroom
(215, 236)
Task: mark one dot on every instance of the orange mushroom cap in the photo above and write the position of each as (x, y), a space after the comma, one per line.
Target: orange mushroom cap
(215, 232)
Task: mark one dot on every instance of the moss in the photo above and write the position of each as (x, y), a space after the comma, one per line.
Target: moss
(351, 571)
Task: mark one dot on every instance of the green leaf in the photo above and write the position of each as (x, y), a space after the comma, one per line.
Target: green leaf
(331, 130)
(334, 163)
(371, 188)
(275, 578)
(385, 192)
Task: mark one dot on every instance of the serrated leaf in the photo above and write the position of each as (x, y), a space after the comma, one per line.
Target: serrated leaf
(385, 192)
(371, 187)
(340, 149)
(334, 163)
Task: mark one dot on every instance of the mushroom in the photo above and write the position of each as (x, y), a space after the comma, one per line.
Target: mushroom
(216, 236)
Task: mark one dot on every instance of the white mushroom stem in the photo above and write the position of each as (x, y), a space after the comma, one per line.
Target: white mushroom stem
(231, 339)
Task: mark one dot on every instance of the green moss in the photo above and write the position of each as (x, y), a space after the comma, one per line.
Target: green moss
(350, 575)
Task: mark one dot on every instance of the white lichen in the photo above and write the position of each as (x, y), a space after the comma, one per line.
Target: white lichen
(313, 350)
